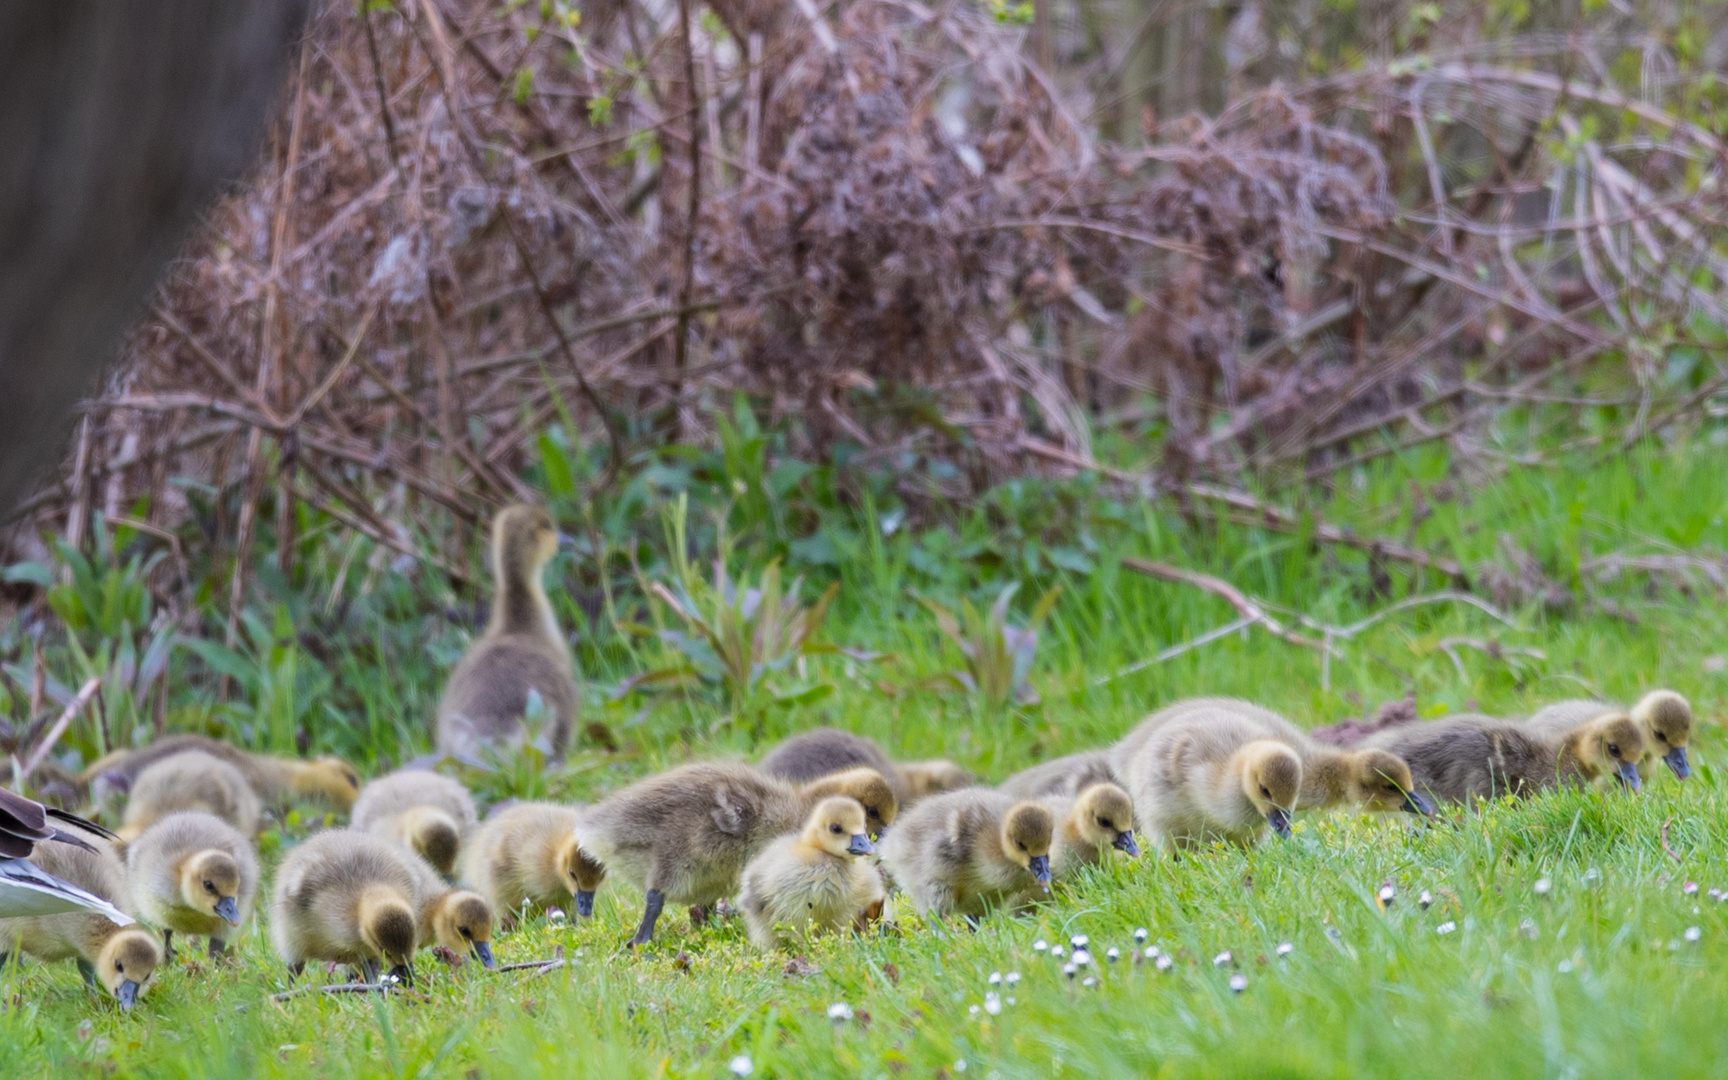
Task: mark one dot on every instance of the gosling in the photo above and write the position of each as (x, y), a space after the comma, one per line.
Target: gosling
(458, 921)
(278, 781)
(347, 897)
(821, 751)
(1089, 826)
(526, 857)
(1469, 758)
(686, 834)
(194, 873)
(487, 697)
(966, 852)
(1664, 717)
(191, 780)
(812, 882)
(1065, 776)
(430, 813)
(123, 959)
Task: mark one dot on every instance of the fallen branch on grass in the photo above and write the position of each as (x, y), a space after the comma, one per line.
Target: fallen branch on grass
(1250, 610)
(73, 708)
(1663, 836)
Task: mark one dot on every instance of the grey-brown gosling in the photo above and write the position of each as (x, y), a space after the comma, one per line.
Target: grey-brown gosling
(194, 873)
(967, 851)
(348, 897)
(1088, 826)
(821, 751)
(123, 959)
(457, 920)
(686, 834)
(278, 781)
(1065, 776)
(428, 812)
(811, 882)
(1211, 773)
(1664, 717)
(1466, 758)
(191, 780)
(526, 855)
(488, 693)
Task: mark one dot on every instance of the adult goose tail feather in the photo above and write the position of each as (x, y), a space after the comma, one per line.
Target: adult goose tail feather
(27, 890)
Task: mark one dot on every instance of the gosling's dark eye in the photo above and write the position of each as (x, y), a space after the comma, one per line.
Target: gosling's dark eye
(1104, 823)
(465, 931)
(872, 812)
(1394, 789)
(118, 966)
(1612, 749)
(835, 829)
(1265, 792)
(1022, 846)
(1661, 736)
(209, 886)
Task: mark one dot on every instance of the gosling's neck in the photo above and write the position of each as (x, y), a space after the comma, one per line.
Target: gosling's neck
(1325, 780)
(1576, 757)
(519, 603)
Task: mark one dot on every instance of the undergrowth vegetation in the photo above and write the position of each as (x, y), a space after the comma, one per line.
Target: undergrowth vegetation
(726, 597)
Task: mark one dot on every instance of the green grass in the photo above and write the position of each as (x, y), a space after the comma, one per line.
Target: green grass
(1594, 978)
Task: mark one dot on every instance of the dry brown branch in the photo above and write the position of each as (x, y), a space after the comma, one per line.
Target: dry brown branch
(1249, 609)
(73, 708)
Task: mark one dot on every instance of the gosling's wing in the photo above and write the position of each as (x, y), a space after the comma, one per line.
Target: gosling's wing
(27, 890)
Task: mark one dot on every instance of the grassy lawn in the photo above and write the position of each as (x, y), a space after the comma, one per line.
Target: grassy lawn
(1613, 968)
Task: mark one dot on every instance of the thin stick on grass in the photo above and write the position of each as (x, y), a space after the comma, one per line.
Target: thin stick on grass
(1249, 608)
(1663, 836)
(73, 708)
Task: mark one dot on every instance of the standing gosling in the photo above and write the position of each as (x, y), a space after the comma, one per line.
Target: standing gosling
(428, 812)
(813, 881)
(195, 873)
(526, 856)
(191, 780)
(686, 834)
(822, 751)
(968, 851)
(278, 781)
(348, 897)
(1466, 758)
(1088, 825)
(1664, 717)
(487, 696)
(123, 959)
(1065, 776)
(1210, 773)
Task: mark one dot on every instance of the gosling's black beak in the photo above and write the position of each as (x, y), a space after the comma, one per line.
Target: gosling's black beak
(1279, 819)
(229, 910)
(1040, 867)
(1628, 774)
(403, 972)
(585, 903)
(1676, 759)
(483, 953)
(128, 994)
(860, 845)
(1417, 803)
(1125, 842)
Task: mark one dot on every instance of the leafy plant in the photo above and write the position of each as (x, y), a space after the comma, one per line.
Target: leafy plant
(997, 655)
(279, 683)
(737, 637)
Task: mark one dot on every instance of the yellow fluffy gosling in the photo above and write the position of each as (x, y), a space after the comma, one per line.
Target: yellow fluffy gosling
(191, 780)
(686, 834)
(122, 959)
(430, 813)
(278, 781)
(812, 882)
(487, 696)
(1088, 826)
(348, 897)
(195, 873)
(968, 851)
(526, 856)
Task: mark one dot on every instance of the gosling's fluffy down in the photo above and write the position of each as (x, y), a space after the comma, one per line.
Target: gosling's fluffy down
(1064, 776)
(526, 855)
(1210, 772)
(686, 834)
(278, 781)
(1089, 826)
(966, 852)
(813, 882)
(191, 780)
(194, 873)
(1663, 717)
(124, 959)
(487, 697)
(457, 920)
(348, 897)
(1470, 757)
(430, 813)
(821, 751)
